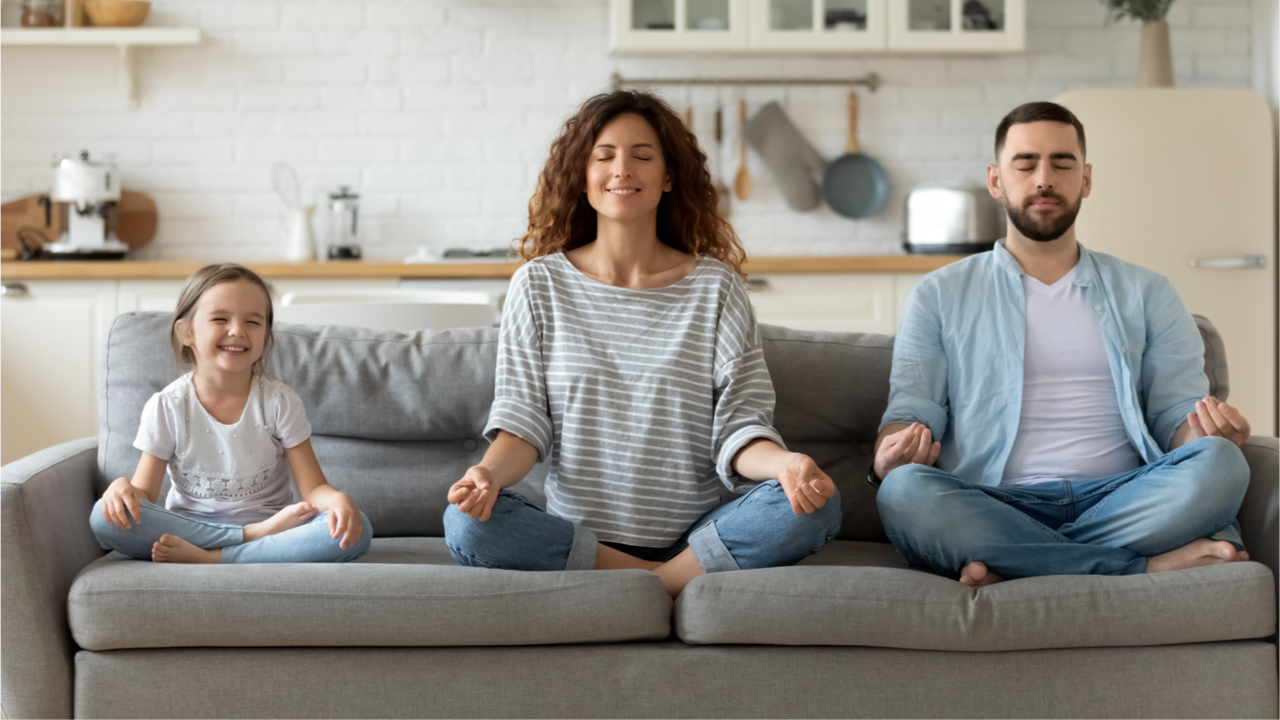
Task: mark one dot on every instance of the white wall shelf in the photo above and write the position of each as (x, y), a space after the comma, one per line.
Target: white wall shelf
(124, 39)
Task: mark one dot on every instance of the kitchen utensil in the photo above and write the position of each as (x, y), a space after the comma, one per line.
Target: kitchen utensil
(136, 219)
(794, 163)
(943, 218)
(855, 185)
(344, 205)
(300, 241)
(688, 118)
(92, 191)
(722, 191)
(742, 181)
(284, 180)
(117, 13)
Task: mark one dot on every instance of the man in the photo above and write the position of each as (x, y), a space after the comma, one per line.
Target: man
(1068, 392)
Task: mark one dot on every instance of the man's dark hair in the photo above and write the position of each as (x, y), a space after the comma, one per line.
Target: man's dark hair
(1038, 112)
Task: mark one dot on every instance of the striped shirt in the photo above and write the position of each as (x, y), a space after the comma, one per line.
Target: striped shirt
(640, 398)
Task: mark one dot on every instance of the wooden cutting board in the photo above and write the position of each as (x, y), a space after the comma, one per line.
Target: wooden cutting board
(136, 220)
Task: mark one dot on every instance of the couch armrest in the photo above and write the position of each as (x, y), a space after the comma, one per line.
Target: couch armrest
(1258, 514)
(45, 539)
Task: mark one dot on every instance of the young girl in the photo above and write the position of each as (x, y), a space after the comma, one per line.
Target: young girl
(228, 438)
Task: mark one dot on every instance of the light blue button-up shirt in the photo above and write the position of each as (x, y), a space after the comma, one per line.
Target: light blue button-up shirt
(958, 357)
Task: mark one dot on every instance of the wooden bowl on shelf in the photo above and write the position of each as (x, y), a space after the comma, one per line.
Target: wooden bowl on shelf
(117, 13)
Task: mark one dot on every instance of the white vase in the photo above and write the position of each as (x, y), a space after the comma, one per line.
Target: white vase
(300, 238)
(1155, 57)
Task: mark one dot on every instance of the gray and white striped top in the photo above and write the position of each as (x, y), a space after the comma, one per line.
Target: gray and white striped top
(640, 398)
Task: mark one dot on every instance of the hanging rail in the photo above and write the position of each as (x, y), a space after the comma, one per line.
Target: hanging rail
(871, 81)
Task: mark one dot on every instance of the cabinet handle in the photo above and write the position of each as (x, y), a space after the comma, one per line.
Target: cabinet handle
(14, 289)
(1245, 262)
(758, 283)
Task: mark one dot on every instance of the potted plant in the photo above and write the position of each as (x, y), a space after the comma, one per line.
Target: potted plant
(1155, 59)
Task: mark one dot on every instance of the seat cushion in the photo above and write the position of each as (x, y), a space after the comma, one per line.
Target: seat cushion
(406, 592)
(857, 593)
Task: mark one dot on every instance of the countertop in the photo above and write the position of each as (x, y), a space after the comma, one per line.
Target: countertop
(177, 270)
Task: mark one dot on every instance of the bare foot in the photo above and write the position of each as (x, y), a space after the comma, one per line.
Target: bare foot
(976, 575)
(287, 519)
(679, 571)
(173, 549)
(1195, 554)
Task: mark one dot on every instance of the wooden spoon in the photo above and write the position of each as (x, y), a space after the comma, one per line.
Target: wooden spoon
(742, 181)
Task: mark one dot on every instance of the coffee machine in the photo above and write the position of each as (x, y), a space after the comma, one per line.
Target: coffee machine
(91, 190)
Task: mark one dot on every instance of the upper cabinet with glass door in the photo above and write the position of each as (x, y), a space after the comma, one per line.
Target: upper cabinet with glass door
(818, 25)
(951, 25)
(679, 25)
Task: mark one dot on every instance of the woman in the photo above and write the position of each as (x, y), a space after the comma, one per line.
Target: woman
(630, 359)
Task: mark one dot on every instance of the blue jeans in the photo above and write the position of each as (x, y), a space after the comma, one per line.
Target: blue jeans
(1108, 526)
(309, 542)
(757, 530)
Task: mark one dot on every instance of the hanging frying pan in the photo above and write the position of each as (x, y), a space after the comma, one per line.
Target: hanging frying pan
(855, 185)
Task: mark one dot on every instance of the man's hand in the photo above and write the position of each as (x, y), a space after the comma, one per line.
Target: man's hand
(475, 493)
(912, 444)
(806, 486)
(122, 499)
(1216, 418)
(345, 521)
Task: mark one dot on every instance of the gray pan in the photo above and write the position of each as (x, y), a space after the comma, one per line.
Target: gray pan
(855, 185)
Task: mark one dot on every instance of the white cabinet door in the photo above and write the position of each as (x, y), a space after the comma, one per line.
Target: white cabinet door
(817, 25)
(839, 303)
(53, 336)
(681, 25)
(149, 295)
(957, 25)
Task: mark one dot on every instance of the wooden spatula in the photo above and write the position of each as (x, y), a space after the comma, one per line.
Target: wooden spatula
(742, 181)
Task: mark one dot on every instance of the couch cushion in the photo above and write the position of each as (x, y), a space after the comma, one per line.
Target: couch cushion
(406, 591)
(880, 603)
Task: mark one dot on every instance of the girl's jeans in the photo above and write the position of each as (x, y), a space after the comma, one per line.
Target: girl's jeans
(1108, 526)
(757, 530)
(309, 542)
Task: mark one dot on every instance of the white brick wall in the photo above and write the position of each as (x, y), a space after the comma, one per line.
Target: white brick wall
(440, 112)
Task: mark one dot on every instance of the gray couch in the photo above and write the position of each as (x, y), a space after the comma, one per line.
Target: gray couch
(406, 632)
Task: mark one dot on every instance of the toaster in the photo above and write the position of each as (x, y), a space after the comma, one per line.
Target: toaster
(949, 218)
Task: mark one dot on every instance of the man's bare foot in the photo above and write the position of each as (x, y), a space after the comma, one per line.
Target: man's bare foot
(287, 519)
(976, 575)
(173, 549)
(1196, 554)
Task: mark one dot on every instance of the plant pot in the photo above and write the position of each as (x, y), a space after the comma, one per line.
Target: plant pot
(1155, 57)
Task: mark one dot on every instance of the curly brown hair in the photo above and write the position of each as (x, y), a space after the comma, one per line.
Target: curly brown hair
(561, 219)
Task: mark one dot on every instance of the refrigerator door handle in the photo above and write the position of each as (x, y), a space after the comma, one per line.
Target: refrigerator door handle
(1244, 262)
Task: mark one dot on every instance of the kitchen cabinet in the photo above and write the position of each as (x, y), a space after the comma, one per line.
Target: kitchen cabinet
(836, 303)
(818, 26)
(54, 332)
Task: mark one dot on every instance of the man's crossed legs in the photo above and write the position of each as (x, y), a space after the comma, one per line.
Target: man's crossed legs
(1177, 512)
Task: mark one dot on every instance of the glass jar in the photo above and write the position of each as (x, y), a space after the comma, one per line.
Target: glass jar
(41, 13)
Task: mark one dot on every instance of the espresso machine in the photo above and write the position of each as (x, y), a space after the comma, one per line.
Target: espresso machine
(92, 193)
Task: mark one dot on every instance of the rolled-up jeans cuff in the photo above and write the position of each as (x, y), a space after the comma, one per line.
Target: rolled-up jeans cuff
(1231, 534)
(582, 556)
(710, 549)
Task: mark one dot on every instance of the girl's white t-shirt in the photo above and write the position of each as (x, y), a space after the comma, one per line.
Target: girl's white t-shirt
(234, 473)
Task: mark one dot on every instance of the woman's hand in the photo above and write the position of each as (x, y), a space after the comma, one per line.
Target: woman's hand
(475, 493)
(344, 520)
(122, 499)
(912, 444)
(806, 486)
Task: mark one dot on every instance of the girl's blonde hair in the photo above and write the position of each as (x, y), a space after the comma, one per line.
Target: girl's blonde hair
(199, 283)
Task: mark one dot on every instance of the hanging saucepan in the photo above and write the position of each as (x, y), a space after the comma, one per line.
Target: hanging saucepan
(855, 185)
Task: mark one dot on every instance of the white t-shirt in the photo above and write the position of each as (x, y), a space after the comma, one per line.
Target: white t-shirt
(1070, 427)
(234, 473)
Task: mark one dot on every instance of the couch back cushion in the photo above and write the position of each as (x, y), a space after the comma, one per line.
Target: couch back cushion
(397, 418)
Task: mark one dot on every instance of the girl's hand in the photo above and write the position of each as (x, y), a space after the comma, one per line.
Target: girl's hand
(912, 444)
(475, 493)
(806, 486)
(345, 521)
(120, 500)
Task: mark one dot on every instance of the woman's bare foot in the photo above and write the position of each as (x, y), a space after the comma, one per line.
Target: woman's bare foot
(173, 549)
(976, 575)
(287, 519)
(1196, 554)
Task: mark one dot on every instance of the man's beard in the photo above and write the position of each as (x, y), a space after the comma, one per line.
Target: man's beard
(1049, 228)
